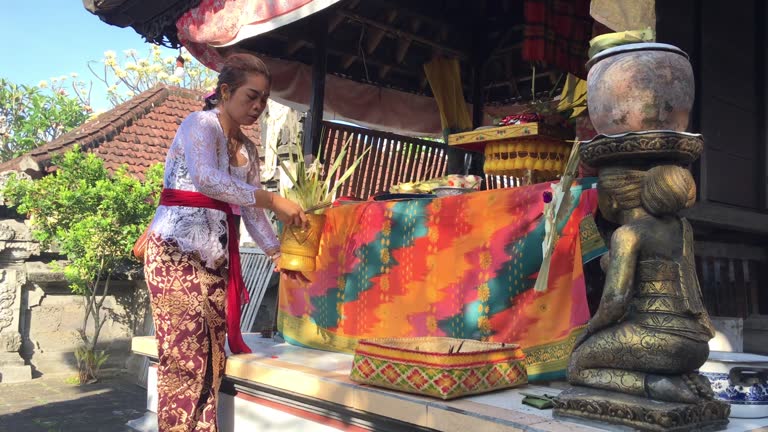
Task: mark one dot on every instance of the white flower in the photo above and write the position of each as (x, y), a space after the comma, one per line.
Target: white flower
(120, 73)
(54, 80)
(112, 88)
(162, 76)
(63, 78)
(73, 74)
(109, 54)
(170, 60)
(174, 80)
(42, 84)
(130, 52)
(129, 93)
(143, 62)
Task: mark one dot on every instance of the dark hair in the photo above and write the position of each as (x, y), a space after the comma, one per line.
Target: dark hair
(662, 190)
(668, 189)
(235, 72)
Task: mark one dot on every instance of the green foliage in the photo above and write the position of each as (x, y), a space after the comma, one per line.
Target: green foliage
(31, 116)
(73, 380)
(89, 362)
(93, 218)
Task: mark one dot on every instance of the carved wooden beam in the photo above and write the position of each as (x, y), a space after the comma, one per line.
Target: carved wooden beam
(402, 49)
(375, 35)
(511, 82)
(507, 50)
(530, 77)
(347, 60)
(423, 84)
(347, 57)
(294, 46)
(384, 71)
(404, 11)
(334, 22)
(403, 44)
(405, 34)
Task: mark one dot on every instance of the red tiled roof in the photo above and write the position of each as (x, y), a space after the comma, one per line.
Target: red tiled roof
(136, 133)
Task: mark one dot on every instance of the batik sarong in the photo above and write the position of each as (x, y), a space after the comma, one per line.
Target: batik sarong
(188, 307)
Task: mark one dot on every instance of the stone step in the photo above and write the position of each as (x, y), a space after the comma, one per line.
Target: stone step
(14, 374)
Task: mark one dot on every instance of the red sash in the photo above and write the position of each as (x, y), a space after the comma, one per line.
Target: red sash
(237, 295)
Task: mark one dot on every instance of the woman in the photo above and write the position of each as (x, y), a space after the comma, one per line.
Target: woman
(192, 262)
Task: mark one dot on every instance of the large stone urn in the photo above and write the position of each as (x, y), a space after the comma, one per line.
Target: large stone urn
(640, 87)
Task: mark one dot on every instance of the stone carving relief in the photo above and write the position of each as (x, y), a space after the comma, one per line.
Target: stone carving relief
(7, 300)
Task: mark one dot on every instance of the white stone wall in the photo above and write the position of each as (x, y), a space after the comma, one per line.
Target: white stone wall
(54, 316)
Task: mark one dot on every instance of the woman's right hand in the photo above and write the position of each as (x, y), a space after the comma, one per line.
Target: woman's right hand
(288, 212)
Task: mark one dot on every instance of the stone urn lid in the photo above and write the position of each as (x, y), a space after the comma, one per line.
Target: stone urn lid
(641, 46)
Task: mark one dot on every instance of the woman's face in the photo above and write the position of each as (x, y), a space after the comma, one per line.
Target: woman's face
(248, 101)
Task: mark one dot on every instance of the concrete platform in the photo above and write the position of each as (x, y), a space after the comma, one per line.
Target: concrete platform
(310, 389)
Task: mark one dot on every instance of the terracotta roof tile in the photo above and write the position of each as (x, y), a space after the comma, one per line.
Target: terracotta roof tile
(136, 133)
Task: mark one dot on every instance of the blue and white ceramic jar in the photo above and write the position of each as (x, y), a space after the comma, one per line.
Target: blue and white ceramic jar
(741, 380)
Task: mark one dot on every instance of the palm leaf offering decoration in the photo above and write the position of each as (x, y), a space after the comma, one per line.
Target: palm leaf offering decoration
(312, 188)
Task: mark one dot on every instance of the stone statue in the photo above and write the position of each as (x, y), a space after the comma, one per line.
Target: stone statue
(636, 362)
(651, 330)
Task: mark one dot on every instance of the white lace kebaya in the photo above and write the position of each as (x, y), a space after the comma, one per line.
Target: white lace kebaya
(198, 161)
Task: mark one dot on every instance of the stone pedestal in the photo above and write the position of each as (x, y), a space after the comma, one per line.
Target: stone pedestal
(13, 369)
(640, 413)
(16, 246)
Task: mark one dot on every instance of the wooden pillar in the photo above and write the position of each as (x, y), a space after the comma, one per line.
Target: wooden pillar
(313, 124)
(472, 163)
(479, 59)
(477, 92)
(455, 163)
(481, 51)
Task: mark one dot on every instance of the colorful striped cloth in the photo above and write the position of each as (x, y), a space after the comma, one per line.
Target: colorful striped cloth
(461, 267)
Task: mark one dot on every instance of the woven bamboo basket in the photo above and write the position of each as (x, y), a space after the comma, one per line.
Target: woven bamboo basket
(444, 368)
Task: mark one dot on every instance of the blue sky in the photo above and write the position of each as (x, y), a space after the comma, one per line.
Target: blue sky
(51, 38)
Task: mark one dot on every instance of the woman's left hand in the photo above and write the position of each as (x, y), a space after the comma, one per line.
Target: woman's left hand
(290, 274)
(294, 276)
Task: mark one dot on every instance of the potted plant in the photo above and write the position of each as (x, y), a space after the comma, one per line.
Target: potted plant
(314, 190)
